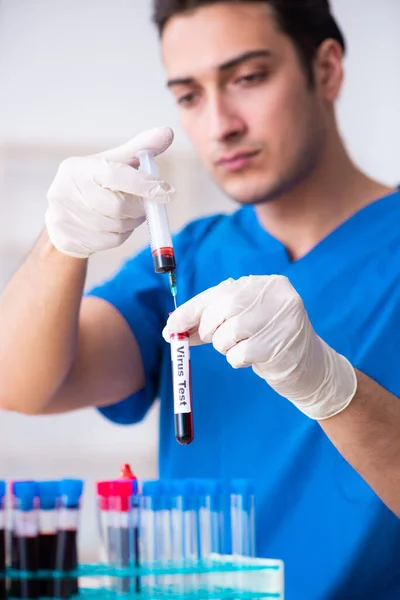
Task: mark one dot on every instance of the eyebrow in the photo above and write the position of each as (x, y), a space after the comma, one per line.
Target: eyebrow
(226, 66)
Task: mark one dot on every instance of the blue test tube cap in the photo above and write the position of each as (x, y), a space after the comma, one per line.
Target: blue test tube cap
(49, 493)
(191, 495)
(245, 489)
(14, 483)
(3, 490)
(165, 494)
(135, 487)
(25, 493)
(70, 492)
(178, 487)
(152, 490)
(212, 491)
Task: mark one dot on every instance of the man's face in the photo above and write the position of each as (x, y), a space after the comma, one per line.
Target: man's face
(244, 99)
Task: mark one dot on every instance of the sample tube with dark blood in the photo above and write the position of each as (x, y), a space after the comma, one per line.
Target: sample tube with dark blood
(48, 523)
(67, 542)
(14, 584)
(2, 540)
(25, 534)
(182, 387)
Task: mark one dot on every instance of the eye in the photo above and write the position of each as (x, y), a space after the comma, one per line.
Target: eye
(187, 100)
(252, 78)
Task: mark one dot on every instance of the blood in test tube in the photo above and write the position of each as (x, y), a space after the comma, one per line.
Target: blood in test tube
(14, 584)
(48, 522)
(67, 537)
(182, 387)
(2, 540)
(25, 532)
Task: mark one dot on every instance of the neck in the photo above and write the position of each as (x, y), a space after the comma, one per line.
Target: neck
(331, 194)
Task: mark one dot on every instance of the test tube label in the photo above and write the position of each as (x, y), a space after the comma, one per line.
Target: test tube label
(180, 355)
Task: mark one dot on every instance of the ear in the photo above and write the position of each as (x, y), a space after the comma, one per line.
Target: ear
(328, 68)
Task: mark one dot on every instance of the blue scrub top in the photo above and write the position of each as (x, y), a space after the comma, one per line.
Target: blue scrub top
(337, 539)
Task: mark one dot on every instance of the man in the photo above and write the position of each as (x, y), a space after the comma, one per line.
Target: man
(256, 84)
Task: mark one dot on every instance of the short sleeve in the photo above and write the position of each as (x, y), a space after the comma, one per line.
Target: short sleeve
(142, 298)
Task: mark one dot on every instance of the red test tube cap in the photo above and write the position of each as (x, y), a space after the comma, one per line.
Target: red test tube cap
(121, 492)
(104, 492)
(125, 472)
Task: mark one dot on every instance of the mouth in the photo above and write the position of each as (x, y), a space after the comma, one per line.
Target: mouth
(236, 162)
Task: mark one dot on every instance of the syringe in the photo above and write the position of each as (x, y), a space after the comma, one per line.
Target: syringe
(159, 232)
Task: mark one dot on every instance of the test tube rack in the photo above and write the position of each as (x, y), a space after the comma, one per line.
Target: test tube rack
(147, 555)
(222, 577)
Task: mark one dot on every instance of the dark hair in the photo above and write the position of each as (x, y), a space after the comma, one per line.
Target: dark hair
(307, 22)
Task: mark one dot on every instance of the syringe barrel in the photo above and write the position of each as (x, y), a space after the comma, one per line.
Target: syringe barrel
(157, 223)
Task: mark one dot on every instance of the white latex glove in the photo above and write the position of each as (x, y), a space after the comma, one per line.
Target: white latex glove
(95, 202)
(261, 322)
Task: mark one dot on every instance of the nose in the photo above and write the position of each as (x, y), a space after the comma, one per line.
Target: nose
(225, 125)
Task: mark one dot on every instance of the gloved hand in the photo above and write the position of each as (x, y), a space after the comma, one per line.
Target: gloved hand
(95, 202)
(261, 322)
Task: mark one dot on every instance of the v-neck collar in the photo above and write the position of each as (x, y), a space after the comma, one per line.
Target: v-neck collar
(360, 228)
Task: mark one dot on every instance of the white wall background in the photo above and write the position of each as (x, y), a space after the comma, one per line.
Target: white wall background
(82, 75)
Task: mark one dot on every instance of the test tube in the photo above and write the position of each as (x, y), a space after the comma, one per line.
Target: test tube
(105, 525)
(177, 534)
(242, 518)
(121, 493)
(25, 532)
(47, 543)
(149, 500)
(67, 537)
(210, 518)
(104, 515)
(14, 584)
(182, 387)
(190, 518)
(177, 521)
(134, 529)
(126, 473)
(163, 523)
(191, 534)
(2, 540)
